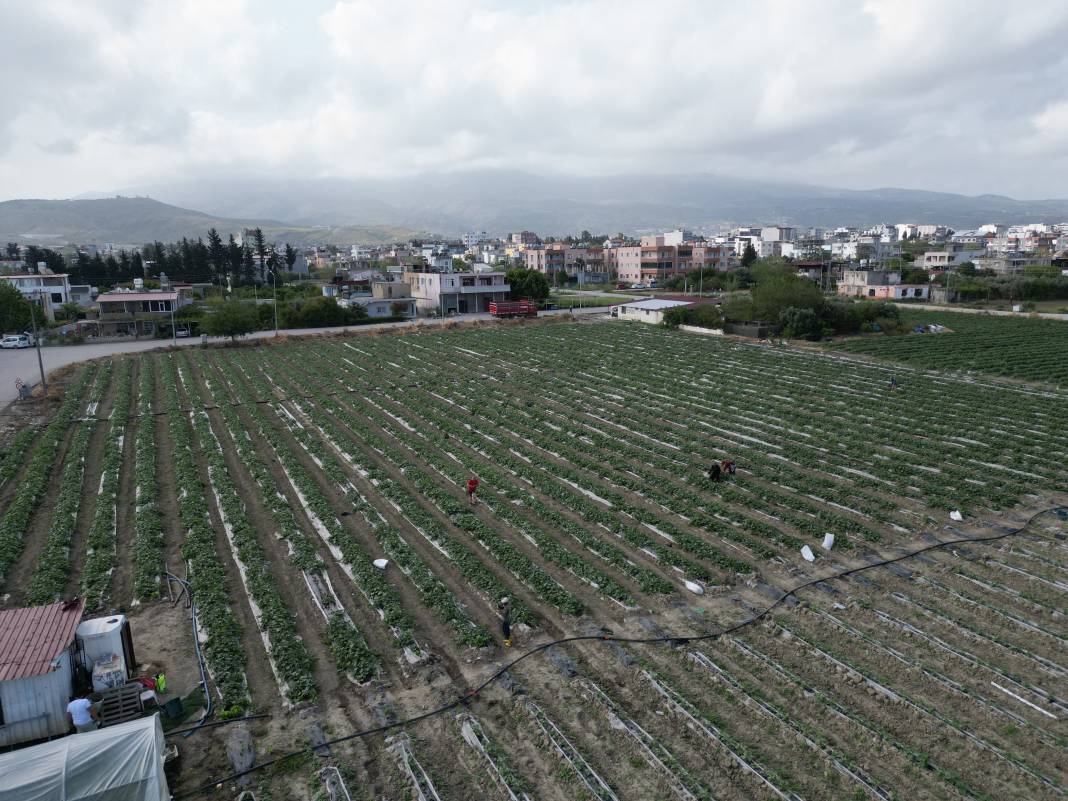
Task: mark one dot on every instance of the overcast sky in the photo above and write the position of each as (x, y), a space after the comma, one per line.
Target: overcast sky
(967, 96)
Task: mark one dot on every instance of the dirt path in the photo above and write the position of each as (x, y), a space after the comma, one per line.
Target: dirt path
(125, 503)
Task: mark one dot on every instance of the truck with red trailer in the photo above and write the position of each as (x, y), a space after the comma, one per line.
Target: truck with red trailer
(513, 308)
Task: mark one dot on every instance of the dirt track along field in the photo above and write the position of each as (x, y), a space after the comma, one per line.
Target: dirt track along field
(274, 476)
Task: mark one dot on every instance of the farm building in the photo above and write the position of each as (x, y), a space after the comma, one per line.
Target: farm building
(37, 666)
(646, 311)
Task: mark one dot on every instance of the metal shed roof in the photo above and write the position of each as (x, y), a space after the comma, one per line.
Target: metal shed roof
(656, 304)
(31, 638)
(115, 297)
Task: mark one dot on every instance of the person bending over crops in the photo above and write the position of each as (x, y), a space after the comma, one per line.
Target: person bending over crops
(505, 608)
(472, 488)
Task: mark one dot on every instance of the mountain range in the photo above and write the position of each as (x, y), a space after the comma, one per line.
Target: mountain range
(373, 211)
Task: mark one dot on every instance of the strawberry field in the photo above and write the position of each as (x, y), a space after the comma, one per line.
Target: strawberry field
(1014, 347)
(274, 477)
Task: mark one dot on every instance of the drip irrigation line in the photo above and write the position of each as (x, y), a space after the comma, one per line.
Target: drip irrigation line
(674, 640)
(226, 722)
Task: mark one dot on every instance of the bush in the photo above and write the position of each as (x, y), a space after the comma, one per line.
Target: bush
(318, 313)
(704, 316)
(801, 324)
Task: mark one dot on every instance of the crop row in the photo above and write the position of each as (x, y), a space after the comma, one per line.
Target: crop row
(352, 655)
(286, 651)
(53, 565)
(148, 518)
(101, 543)
(17, 515)
(208, 578)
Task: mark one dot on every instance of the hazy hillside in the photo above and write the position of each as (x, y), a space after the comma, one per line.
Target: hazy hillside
(135, 220)
(500, 201)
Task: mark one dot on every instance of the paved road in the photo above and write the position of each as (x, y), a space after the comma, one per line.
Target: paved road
(23, 363)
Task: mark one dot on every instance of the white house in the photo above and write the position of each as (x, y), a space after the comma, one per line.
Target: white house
(48, 291)
(456, 293)
(646, 311)
(37, 661)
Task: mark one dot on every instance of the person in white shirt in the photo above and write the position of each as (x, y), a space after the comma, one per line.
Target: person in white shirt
(81, 714)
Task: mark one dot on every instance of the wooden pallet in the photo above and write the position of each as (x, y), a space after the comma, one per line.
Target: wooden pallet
(121, 704)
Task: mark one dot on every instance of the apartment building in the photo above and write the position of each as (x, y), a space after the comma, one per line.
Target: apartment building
(653, 260)
(47, 291)
(879, 285)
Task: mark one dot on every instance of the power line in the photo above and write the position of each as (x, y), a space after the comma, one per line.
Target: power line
(666, 639)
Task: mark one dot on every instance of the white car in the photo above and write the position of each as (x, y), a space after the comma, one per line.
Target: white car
(637, 286)
(15, 341)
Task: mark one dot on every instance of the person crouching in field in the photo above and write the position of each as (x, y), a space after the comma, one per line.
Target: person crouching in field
(472, 488)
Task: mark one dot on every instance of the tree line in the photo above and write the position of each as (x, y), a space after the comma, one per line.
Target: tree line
(187, 260)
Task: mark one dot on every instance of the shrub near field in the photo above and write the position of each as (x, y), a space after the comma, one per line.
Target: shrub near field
(1013, 347)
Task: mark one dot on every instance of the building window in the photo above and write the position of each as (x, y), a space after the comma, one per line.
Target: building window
(57, 297)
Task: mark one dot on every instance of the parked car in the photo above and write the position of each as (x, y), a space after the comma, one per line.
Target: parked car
(637, 286)
(15, 341)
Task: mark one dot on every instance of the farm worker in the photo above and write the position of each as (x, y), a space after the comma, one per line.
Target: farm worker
(81, 714)
(714, 472)
(893, 383)
(505, 608)
(472, 488)
(730, 466)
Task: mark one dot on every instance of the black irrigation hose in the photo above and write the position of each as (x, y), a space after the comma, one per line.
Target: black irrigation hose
(226, 722)
(673, 640)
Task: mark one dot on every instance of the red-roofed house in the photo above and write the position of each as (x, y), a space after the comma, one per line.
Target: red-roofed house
(37, 663)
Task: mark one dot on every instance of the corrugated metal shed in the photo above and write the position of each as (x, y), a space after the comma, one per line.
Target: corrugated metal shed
(31, 639)
(115, 297)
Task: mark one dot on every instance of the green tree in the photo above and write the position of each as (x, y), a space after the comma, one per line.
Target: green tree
(290, 257)
(749, 255)
(12, 250)
(259, 244)
(231, 318)
(801, 323)
(216, 253)
(15, 309)
(770, 268)
(527, 284)
(771, 297)
(70, 310)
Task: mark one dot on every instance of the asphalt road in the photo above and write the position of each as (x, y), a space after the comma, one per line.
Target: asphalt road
(23, 363)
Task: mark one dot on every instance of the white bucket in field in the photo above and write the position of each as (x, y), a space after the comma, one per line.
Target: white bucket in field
(381, 563)
(828, 541)
(807, 553)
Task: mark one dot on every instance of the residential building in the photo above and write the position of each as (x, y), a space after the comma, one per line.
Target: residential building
(140, 312)
(524, 238)
(474, 238)
(546, 259)
(879, 285)
(778, 233)
(1011, 263)
(646, 311)
(652, 260)
(947, 259)
(387, 299)
(677, 237)
(456, 293)
(48, 291)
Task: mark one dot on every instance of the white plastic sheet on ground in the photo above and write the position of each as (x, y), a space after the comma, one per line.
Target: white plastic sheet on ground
(119, 763)
(807, 553)
(694, 587)
(955, 515)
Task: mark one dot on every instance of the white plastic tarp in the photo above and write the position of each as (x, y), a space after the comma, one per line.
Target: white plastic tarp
(119, 763)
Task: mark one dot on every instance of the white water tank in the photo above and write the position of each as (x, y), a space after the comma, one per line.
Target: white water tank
(102, 641)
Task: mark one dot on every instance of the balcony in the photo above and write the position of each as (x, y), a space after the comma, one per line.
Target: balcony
(482, 288)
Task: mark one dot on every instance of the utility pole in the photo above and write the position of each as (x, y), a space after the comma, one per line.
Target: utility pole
(37, 343)
(274, 285)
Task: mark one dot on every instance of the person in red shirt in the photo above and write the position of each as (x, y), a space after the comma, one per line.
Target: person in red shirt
(472, 488)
